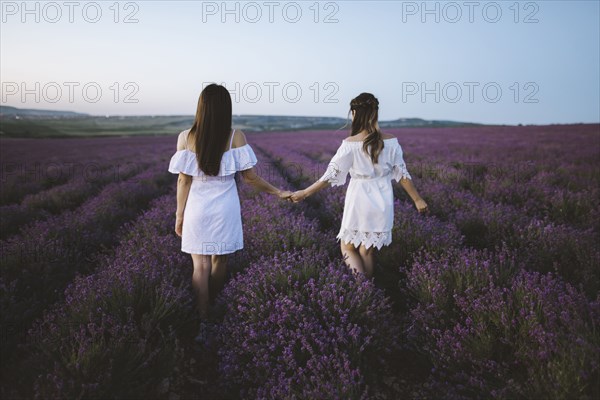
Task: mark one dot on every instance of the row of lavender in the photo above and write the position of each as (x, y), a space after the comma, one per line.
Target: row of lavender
(31, 166)
(39, 261)
(47, 254)
(38, 206)
(297, 323)
(489, 323)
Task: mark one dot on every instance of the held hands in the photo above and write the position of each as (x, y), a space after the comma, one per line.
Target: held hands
(294, 197)
(284, 195)
(299, 196)
(421, 206)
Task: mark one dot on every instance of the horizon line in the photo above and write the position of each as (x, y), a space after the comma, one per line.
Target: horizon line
(82, 114)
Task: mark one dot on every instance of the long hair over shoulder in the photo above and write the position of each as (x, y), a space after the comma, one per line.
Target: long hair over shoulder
(365, 107)
(211, 128)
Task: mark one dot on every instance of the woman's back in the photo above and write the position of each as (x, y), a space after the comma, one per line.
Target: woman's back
(363, 167)
(351, 158)
(190, 145)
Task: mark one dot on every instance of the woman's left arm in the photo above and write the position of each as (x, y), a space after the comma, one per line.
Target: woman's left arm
(400, 174)
(184, 182)
(407, 185)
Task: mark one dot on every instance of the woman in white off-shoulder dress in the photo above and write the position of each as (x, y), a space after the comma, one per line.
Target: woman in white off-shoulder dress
(372, 159)
(208, 216)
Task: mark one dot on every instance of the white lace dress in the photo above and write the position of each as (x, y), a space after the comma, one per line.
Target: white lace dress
(368, 216)
(212, 221)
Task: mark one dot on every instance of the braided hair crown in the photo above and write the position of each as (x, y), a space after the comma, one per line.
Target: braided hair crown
(364, 100)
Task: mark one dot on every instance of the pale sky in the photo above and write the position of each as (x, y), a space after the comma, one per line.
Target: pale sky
(503, 62)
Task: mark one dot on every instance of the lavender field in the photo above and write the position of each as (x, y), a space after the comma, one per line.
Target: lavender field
(492, 295)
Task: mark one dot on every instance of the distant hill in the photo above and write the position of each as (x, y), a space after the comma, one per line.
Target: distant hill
(7, 111)
(278, 123)
(17, 122)
(414, 122)
(285, 123)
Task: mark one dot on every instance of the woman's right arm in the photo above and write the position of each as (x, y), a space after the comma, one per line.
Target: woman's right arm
(309, 191)
(335, 175)
(253, 179)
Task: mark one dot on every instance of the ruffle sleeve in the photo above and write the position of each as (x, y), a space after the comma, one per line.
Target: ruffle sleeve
(399, 169)
(242, 158)
(184, 161)
(339, 166)
(233, 160)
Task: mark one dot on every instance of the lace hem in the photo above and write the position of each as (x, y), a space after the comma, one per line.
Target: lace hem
(368, 239)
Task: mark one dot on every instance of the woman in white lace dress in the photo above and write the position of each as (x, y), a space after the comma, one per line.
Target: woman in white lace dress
(208, 216)
(372, 159)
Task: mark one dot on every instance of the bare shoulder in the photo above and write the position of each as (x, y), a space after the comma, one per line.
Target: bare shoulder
(239, 138)
(355, 138)
(360, 138)
(181, 139)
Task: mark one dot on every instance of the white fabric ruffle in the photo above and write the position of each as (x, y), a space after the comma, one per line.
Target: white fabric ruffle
(368, 239)
(335, 176)
(233, 160)
(399, 172)
(346, 159)
(339, 166)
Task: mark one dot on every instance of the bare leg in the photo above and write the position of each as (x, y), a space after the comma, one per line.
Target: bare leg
(368, 259)
(217, 275)
(200, 277)
(352, 257)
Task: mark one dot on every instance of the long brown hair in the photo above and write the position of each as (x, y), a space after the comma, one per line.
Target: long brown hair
(211, 128)
(365, 107)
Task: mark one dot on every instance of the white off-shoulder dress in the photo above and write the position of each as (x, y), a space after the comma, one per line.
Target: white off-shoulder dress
(212, 221)
(368, 216)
